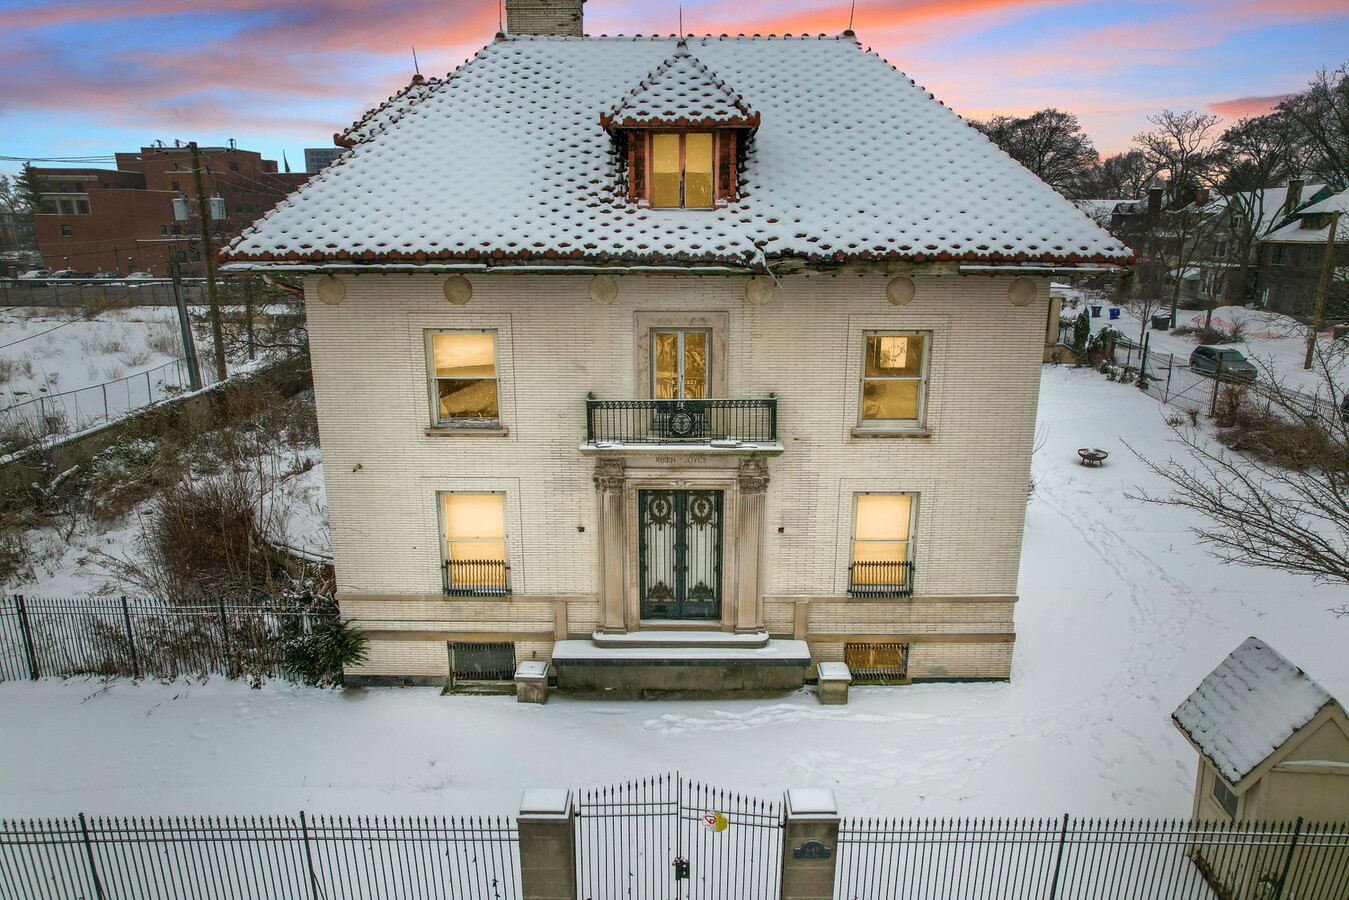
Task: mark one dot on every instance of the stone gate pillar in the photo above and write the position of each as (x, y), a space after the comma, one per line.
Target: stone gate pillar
(609, 482)
(751, 497)
(809, 844)
(547, 832)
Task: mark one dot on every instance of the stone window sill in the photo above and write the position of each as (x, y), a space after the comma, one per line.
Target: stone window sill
(866, 431)
(467, 431)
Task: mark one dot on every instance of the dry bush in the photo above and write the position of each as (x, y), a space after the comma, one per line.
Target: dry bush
(126, 474)
(1210, 335)
(165, 340)
(1283, 436)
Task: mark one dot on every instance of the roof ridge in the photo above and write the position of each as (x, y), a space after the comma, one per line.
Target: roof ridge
(737, 114)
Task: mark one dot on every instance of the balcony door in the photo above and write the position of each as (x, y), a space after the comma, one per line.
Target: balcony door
(681, 363)
(679, 554)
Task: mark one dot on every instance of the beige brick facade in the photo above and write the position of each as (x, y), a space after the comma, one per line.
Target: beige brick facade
(555, 345)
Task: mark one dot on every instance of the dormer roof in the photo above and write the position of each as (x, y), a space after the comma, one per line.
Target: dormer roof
(681, 92)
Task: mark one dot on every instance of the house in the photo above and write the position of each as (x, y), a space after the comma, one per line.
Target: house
(679, 362)
(121, 220)
(1292, 258)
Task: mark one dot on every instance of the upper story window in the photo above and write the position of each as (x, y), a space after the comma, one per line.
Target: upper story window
(894, 378)
(463, 378)
(681, 169)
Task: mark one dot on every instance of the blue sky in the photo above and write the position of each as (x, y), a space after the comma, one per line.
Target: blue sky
(90, 77)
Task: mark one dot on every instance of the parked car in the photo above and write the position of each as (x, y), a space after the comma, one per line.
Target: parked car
(35, 275)
(1230, 363)
(65, 273)
(140, 276)
(106, 275)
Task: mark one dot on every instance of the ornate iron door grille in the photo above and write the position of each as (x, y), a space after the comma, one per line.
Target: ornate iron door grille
(679, 554)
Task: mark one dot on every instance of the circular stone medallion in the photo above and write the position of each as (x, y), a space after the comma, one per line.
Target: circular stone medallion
(331, 290)
(1021, 292)
(458, 290)
(900, 290)
(603, 289)
(759, 290)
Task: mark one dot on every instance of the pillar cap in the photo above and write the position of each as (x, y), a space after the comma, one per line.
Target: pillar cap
(811, 803)
(545, 803)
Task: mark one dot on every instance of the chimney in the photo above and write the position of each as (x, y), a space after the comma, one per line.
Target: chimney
(1155, 201)
(544, 17)
(1294, 198)
(1201, 196)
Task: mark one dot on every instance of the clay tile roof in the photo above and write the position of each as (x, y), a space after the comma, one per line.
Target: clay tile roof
(507, 158)
(682, 91)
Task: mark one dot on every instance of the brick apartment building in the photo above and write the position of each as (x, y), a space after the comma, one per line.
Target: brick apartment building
(121, 220)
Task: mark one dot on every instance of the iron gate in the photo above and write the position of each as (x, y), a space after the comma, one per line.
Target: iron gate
(668, 838)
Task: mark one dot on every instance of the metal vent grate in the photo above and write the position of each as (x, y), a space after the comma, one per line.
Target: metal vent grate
(482, 661)
(877, 663)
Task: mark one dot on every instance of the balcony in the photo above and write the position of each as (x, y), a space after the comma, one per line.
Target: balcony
(720, 424)
(880, 580)
(476, 578)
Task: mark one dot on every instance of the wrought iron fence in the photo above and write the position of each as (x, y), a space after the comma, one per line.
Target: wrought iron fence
(275, 857)
(1090, 859)
(671, 837)
(476, 577)
(880, 579)
(137, 637)
(681, 421)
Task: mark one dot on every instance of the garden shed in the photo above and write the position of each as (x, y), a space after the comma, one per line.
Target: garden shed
(1273, 744)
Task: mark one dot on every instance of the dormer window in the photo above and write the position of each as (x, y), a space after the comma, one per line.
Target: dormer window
(681, 135)
(681, 169)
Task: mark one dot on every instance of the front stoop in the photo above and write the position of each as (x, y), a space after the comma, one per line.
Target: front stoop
(666, 664)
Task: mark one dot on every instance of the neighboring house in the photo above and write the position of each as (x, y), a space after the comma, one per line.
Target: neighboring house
(679, 362)
(121, 220)
(1292, 257)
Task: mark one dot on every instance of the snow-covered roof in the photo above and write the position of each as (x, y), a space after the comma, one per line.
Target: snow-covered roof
(681, 92)
(1297, 232)
(507, 158)
(1267, 206)
(1247, 707)
(381, 117)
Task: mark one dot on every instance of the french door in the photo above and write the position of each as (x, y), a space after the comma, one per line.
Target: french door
(679, 554)
(681, 364)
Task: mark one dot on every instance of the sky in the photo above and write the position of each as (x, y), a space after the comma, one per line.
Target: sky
(91, 77)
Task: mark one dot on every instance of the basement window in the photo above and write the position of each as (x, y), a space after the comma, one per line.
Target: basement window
(877, 663)
(488, 661)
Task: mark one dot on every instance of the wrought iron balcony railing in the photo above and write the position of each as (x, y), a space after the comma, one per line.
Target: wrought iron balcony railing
(476, 578)
(880, 579)
(681, 421)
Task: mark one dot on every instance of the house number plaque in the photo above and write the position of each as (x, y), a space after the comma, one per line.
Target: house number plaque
(811, 850)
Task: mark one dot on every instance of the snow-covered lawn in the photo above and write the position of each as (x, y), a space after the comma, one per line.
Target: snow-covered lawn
(48, 350)
(1122, 615)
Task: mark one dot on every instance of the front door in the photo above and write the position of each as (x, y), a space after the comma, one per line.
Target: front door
(679, 554)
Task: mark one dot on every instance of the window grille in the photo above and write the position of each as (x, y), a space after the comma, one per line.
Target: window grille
(472, 661)
(877, 663)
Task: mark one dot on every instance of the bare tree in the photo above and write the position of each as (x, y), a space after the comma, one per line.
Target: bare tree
(1181, 147)
(1320, 116)
(1125, 176)
(1277, 495)
(1050, 143)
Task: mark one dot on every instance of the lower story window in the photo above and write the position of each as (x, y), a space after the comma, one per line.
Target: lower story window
(882, 563)
(475, 545)
(1226, 799)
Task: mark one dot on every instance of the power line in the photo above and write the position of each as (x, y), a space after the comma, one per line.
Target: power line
(87, 315)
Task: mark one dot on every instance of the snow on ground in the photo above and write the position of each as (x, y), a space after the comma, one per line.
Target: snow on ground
(47, 350)
(1121, 617)
(1273, 341)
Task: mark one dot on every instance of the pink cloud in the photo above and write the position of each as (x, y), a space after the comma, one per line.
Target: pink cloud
(1241, 107)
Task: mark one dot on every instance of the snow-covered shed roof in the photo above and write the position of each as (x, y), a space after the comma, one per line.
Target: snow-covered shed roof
(507, 158)
(681, 92)
(1247, 707)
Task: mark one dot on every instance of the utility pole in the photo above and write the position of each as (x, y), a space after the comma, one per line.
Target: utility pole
(1322, 289)
(185, 325)
(208, 259)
